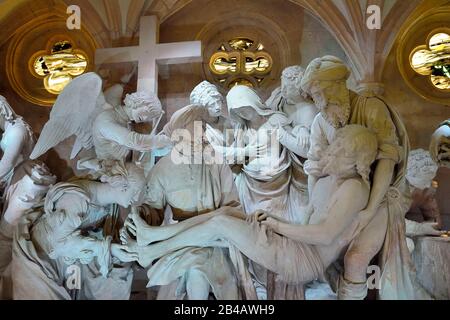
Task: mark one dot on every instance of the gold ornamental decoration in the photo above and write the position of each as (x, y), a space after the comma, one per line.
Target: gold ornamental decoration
(241, 61)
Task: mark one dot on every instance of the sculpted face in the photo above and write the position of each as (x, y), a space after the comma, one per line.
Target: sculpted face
(289, 89)
(207, 95)
(215, 106)
(333, 102)
(142, 107)
(144, 114)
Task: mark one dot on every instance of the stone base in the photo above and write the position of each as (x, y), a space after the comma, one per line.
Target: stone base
(432, 261)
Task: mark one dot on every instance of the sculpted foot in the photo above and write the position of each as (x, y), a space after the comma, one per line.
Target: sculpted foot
(144, 233)
(145, 258)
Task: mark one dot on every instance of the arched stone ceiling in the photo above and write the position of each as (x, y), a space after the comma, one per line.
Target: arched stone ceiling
(345, 19)
(118, 22)
(367, 49)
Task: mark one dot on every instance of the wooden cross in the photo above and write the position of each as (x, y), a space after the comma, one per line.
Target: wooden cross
(150, 53)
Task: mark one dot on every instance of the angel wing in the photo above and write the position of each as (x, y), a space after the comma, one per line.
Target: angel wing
(73, 113)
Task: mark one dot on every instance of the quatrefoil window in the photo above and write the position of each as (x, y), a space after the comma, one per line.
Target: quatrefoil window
(241, 61)
(433, 60)
(59, 67)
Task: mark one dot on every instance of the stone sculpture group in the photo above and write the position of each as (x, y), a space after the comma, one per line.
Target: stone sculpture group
(253, 203)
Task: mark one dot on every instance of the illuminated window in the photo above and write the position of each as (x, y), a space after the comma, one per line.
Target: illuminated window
(241, 61)
(433, 60)
(60, 66)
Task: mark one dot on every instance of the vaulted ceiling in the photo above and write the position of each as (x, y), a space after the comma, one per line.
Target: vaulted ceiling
(118, 20)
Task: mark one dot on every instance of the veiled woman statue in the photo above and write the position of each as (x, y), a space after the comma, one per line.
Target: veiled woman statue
(263, 182)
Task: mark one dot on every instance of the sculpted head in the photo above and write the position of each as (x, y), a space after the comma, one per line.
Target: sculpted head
(244, 104)
(142, 107)
(290, 83)
(50, 232)
(421, 169)
(6, 112)
(207, 95)
(325, 81)
(351, 154)
(127, 183)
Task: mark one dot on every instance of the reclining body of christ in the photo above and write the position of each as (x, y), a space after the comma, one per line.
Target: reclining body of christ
(297, 253)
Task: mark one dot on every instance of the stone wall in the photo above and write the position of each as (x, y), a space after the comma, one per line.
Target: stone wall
(421, 118)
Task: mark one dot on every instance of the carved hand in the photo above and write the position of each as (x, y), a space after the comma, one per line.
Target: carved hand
(303, 137)
(123, 253)
(271, 223)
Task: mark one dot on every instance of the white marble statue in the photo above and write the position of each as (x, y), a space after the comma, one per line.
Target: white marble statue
(22, 197)
(296, 253)
(383, 217)
(78, 226)
(81, 110)
(423, 217)
(300, 109)
(440, 145)
(205, 109)
(187, 190)
(180, 188)
(265, 181)
(16, 144)
(17, 191)
(291, 100)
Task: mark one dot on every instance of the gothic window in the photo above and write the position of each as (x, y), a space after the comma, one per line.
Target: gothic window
(241, 61)
(59, 67)
(433, 60)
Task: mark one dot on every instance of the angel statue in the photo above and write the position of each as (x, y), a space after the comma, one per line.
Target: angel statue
(81, 110)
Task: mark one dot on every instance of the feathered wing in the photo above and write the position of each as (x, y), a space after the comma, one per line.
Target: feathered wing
(73, 113)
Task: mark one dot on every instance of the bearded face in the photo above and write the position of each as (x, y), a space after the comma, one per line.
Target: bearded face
(333, 102)
(289, 89)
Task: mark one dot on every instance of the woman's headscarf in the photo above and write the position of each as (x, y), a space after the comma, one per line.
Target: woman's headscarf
(242, 96)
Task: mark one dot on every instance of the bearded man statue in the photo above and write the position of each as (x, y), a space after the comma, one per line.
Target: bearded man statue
(383, 220)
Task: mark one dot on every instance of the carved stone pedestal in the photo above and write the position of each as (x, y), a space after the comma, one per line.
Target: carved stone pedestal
(432, 260)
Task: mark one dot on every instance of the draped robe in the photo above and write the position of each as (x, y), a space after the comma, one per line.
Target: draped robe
(398, 275)
(75, 225)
